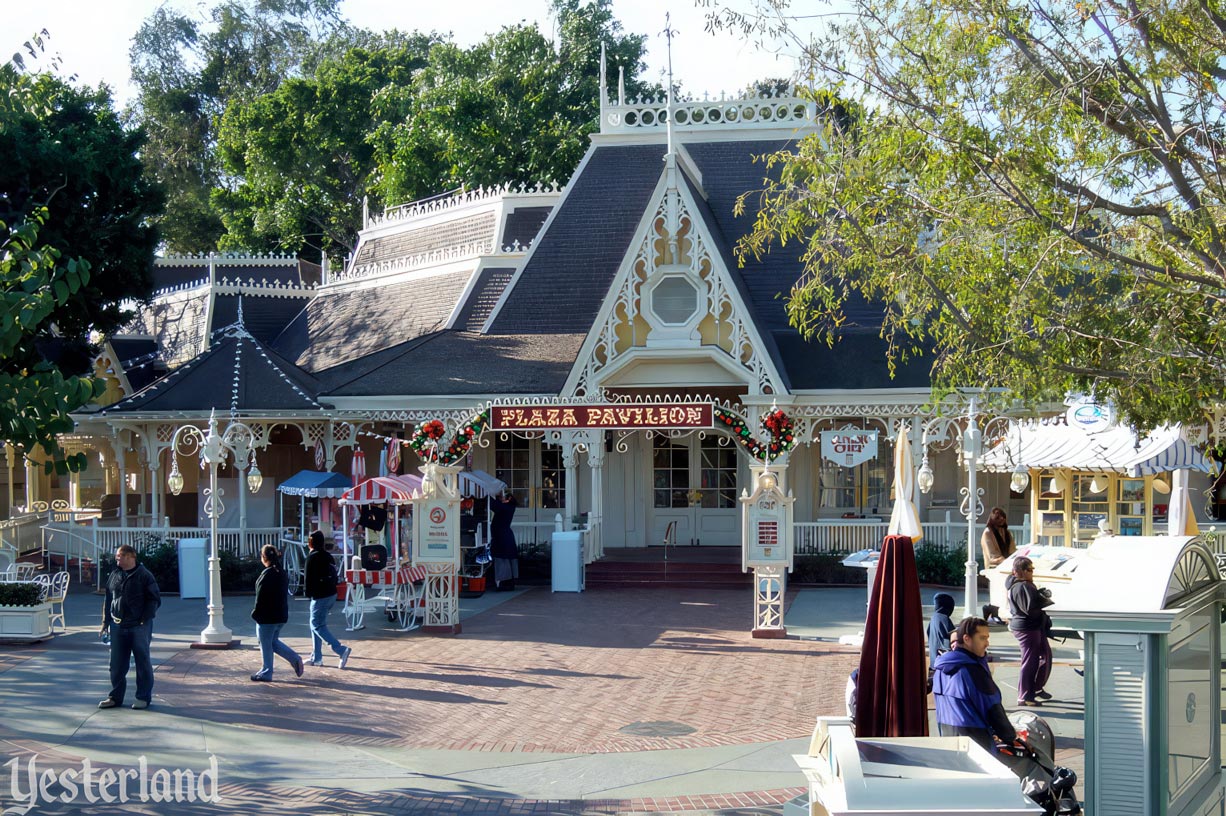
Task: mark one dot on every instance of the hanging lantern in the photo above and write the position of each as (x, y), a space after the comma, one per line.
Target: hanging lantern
(924, 477)
(1020, 480)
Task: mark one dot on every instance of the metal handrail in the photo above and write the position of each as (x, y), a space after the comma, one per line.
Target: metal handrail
(670, 538)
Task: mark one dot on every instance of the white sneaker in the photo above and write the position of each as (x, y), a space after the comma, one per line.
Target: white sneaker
(344, 657)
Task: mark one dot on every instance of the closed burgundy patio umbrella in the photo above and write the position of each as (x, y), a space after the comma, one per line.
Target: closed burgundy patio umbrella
(892, 690)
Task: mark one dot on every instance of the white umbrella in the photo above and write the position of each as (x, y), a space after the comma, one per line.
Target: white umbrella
(358, 467)
(904, 518)
(1180, 520)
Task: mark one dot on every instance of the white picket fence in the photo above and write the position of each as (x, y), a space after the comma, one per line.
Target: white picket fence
(93, 542)
(835, 536)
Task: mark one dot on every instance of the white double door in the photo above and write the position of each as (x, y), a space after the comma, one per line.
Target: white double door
(693, 488)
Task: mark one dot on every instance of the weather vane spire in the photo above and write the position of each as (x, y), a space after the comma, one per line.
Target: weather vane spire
(668, 33)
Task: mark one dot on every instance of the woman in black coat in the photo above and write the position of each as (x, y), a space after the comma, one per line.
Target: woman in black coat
(321, 580)
(503, 548)
(1030, 624)
(271, 613)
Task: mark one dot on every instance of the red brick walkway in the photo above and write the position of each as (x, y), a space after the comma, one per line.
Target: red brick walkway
(597, 663)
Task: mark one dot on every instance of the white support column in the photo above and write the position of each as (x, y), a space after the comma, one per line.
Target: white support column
(242, 509)
(155, 490)
(595, 462)
(570, 460)
(121, 457)
(10, 457)
(31, 487)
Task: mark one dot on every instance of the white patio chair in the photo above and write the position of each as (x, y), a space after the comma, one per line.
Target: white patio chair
(44, 586)
(25, 571)
(57, 592)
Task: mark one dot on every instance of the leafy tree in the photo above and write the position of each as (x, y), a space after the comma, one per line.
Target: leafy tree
(301, 155)
(514, 108)
(189, 70)
(1037, 196)
(70, 187)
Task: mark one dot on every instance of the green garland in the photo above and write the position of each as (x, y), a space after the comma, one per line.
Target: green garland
(427, 439)
(777, 425)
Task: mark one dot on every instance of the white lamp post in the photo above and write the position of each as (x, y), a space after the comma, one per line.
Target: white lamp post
(212, 449)
(965, 430)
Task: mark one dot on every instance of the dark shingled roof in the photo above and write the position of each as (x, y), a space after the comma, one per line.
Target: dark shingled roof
(858, 360)
(441, 235)
(139, 358)
(339, 326)
(129, 348)
(485, 293)
(264, 317)
(522, 225)
(237, 371)
(562, 286)
(453, 362)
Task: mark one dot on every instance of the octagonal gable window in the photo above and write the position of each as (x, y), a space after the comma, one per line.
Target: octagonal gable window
(674, 300)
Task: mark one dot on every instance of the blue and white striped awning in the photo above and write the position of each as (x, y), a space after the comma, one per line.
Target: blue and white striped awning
(1052, 443)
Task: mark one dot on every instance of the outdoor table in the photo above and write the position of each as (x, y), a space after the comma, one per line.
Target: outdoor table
(399, 594)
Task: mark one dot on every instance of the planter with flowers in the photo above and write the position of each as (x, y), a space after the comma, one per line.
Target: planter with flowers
(23, 615)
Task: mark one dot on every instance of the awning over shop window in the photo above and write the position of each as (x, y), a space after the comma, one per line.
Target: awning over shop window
(1054, 444)
(316, 484)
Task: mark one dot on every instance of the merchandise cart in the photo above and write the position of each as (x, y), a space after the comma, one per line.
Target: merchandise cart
(324, 487)
(396, 589)
(475, 535)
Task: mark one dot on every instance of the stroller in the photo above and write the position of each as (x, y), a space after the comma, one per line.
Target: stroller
(1032, 758)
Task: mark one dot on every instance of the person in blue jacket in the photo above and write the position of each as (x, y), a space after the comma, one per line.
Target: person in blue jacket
(968, 699)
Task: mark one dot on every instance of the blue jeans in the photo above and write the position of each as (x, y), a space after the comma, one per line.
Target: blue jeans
(270, 643)
(130, 643)
(320, 607)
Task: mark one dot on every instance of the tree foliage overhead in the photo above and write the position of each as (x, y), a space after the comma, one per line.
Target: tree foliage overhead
(1036, 193)
(188, 70)
(75, 243)
(302, 157)
(513, 108)
(272, 120)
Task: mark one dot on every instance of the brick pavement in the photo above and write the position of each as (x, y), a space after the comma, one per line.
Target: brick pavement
(542, 673)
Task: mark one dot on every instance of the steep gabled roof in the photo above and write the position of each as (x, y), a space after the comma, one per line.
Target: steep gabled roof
(567, 276)
(455, 362)
(858, 360)
(344, 324)
(237, 373)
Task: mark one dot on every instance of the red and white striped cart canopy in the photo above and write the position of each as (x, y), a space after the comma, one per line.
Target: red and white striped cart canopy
(383, 489)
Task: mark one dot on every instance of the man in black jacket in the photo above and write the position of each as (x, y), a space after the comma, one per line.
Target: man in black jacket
(132, 600)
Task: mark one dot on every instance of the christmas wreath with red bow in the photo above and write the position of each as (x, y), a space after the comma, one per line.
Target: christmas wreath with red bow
(777, 425)
(427, 441)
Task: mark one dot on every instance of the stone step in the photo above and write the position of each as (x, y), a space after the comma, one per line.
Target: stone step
(664, 584)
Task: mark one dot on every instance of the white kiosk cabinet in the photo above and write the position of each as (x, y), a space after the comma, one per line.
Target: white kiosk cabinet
(1150, 608)
(903, 775)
